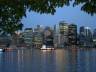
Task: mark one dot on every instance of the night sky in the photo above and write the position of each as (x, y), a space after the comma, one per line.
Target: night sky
(68, 14)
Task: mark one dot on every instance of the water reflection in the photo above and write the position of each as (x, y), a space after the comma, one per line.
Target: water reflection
(59, 60)
(48, 61)
(86, 60)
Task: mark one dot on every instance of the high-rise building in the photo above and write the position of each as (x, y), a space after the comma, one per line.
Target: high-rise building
(82, 36)
(48, 37)
(63, 28)
(85, 36)
(38, 37)
(28, 36)
(94, 37)
(56, 36)
(72, 34)
(20, 39)
(88, 36)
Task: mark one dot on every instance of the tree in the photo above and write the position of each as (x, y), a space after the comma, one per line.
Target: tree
(12, 11)
(10, 17)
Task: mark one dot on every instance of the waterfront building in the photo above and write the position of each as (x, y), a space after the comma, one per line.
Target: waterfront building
(37, 40)
(85, 36)
(56, 36)
(88, 36)
(63, 28)
(72, 34)
(38, 37)
(28, 36)
(5, 39)
(20, 39)
(94, 37)
(48, 37)
(78, 38)
(82, 36)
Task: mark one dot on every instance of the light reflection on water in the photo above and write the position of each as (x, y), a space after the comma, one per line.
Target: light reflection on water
(59, 60)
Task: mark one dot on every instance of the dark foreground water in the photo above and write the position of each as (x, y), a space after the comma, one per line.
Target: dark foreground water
(59, 60)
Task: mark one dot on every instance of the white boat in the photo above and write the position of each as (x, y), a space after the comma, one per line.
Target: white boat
(44, 47)
(2, 50)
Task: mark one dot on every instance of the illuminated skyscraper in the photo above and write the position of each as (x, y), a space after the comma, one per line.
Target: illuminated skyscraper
(63, 28)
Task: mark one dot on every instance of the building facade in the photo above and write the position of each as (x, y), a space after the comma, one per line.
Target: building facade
(48, 37)
(38, 37)
(63, 28)
(72, 34)
(28, 36)
(82, 37)
(56, 36)
(85, 37)
(5, 39)
(94, 37)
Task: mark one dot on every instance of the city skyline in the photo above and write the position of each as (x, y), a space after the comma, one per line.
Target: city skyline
(60, 36)
(47, 35)
(52, 27)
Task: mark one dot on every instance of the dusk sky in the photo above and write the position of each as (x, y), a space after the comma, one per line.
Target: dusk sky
(68, 14)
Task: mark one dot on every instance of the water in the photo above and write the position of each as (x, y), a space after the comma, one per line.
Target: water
(59, 60)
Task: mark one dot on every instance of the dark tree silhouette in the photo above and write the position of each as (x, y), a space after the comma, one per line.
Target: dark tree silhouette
(12, 11)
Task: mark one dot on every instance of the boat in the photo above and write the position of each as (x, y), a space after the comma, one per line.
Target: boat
(2, 50)
(44, 47)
